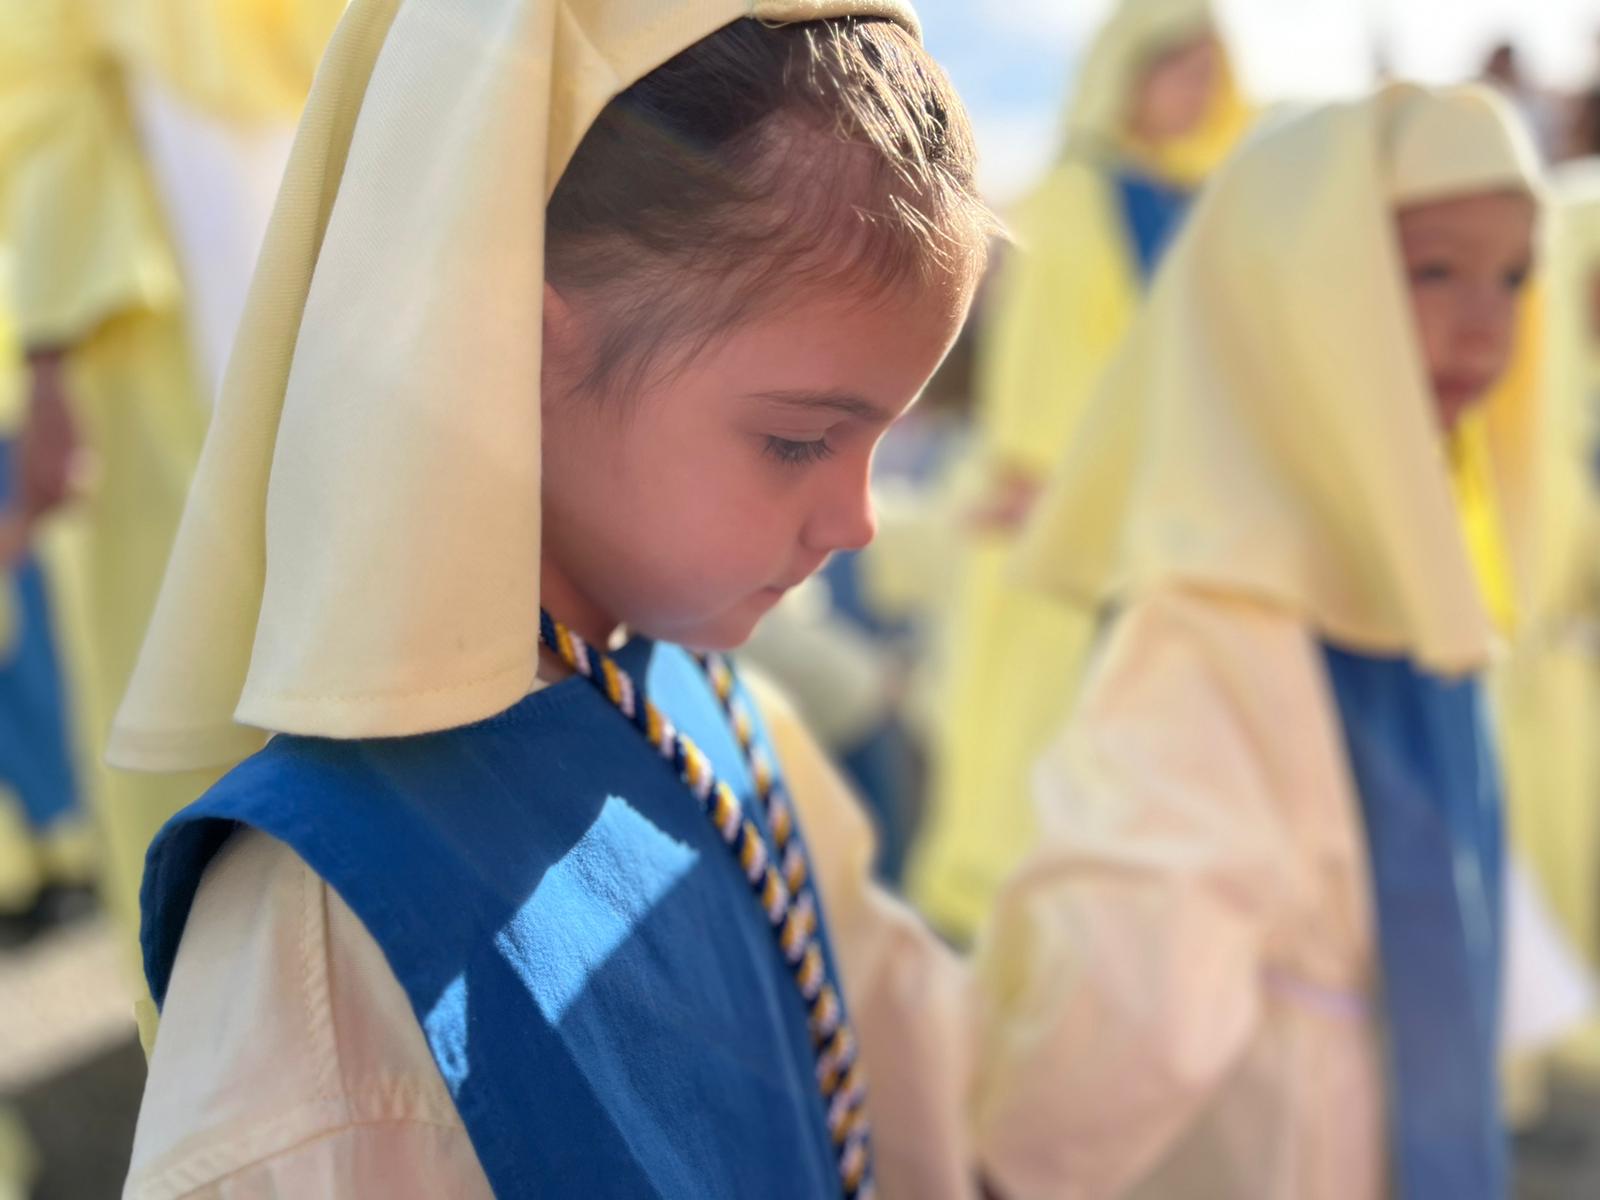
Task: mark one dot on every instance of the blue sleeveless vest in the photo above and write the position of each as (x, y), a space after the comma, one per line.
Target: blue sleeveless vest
(1424, 766)
(600, 992)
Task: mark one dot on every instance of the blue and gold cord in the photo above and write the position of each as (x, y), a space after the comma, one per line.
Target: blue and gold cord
(783, 890)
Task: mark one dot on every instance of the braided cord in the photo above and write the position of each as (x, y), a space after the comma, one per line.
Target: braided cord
(780, 883)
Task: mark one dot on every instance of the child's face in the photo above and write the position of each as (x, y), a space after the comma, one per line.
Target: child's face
(686, 510)
(1466, 261)
(1176, 90)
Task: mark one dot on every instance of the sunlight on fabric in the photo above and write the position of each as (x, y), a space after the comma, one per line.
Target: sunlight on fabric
(446, 1030)
(588, 904)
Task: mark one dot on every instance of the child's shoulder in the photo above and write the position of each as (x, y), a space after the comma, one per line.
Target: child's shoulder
(1216, 622)
(372, 768)
(545, 741)
(273, 1089)
(1181, 650)
(362, 811)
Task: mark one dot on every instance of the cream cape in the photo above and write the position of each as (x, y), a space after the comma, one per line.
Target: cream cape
(360, 554)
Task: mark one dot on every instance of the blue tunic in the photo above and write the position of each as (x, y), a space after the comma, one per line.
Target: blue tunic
(598, 987)
(35, 749)
(1152, 213)
(1423, 762)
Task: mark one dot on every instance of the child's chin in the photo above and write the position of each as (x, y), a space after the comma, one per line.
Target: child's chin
(723, 636)
(724, 632)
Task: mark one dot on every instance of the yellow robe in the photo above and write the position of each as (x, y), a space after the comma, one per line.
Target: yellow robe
(245, 61)
(1011, 657)
(89, 270)
(1063, 304)
(94, 272)
(1548, 689)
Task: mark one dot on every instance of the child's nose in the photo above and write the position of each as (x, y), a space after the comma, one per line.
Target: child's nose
(1487, 322)
(846, 521)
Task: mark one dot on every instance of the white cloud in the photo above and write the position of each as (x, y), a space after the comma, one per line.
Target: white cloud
(1014, 148)
(1300, 48)
(1058, 20)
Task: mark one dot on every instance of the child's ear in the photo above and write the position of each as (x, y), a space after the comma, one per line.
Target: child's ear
(557, 316)
(561, 344)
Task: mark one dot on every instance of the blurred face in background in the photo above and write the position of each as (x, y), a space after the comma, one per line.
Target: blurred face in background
(1467, 262)
(1176, 90)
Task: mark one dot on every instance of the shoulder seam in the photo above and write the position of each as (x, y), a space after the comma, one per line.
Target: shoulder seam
(164, 1187)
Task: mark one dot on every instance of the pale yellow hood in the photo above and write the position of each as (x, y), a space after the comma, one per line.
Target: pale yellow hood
(1136, 32)
(1267, 428)
(1569, 545)
(360, 553)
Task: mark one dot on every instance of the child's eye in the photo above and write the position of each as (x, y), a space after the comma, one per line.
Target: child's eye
(1431, 273)
(1517, 279)
(794, 454)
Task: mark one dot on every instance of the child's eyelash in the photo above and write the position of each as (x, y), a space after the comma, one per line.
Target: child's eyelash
(794, 454)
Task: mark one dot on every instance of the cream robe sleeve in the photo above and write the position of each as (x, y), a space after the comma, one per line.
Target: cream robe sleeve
(289, 1065)
(75, 203)
(1192, 813)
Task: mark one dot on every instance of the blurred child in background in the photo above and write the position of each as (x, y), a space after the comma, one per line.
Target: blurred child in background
(1155, 108)
(1272, 828)
(141, 143)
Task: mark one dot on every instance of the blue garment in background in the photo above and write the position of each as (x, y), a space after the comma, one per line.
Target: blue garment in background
(1153, 213)
(35, 746)
(1424, 766)
(598, 986)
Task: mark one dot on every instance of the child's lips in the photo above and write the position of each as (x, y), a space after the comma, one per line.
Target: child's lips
(778, 591)
(1459, 389)
(1455, 395)
(793, 581)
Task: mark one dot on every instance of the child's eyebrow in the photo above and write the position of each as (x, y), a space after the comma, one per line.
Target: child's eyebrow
(1446, 235)
(848, 403)
(1426, 234)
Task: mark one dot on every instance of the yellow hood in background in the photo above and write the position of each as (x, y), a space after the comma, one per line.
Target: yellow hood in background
(1136, 33)
(1268, 427)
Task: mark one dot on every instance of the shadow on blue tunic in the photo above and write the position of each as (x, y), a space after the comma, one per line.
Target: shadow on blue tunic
(1420, 750)
(598, 987)
(35, 746)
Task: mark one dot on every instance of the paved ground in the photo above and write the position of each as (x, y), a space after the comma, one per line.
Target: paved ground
(70, 1065)
(71, 1068)
(1559, 1159)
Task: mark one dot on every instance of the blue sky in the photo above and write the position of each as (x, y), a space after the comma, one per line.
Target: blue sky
(1012, 59)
